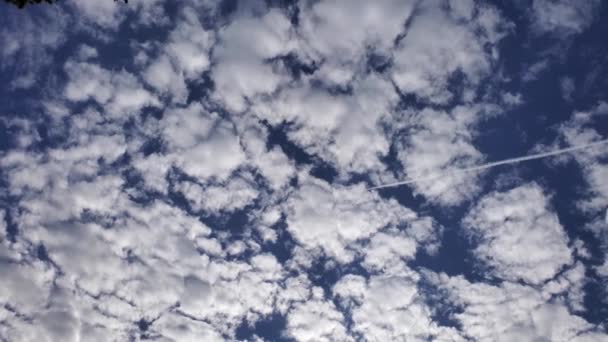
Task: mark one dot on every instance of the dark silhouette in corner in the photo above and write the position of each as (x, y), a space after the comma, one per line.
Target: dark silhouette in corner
(22, 3)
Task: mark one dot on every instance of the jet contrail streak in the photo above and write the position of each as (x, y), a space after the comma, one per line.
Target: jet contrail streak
(440, 174)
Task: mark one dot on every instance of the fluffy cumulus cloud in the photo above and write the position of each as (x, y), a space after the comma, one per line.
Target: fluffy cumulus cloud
(201, 143)
(580, 130)
(389, 307)
(26, 57)
(563, 16)
(204, 172)
(317, 320)
(512, 311)
(502, 223)
(435, 141)
(430, 54)
(330, 38)
(120, 93)
(244, 48)
(344, 129)
(182, 57)
(593, 164)
(335, 219)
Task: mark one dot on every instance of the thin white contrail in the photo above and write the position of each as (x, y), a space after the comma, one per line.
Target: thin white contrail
(440, 174)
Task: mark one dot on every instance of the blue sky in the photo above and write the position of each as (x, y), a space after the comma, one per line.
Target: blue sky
(202, 171)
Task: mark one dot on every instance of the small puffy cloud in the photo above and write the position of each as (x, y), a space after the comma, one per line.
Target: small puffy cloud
(189, 44)
(27, 55)
(518, 236)
(462, 9)
(121, 93)
(343, 129)
(107, 15)
(241, 72)
(435, 46)
(331, 38)
(202, 144)
(386, 251)
(534, 70)
(225, 293)
(380, 306)
(567, 88)
(234, 194)
(436, 141)
(100, 18)
(581, 130)
(563, 16)
(161, 75)
(512, 99)
(28, 286)
(182, 57)
(29, 174)
(317, 320)
(272, 163)
(333, 218)
(512, 311)
(175, 327)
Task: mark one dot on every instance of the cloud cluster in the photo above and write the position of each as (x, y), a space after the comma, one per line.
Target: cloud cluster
(333, 219)
(214, 184)
(506, 223)
(563, 16)
(512, 311)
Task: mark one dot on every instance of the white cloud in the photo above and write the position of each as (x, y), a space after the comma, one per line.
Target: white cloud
(129, 276)
(164, 78)
(507, 223)
(105, 14)
(511, 312)
(201, 143)
(30, 52)
(272, 163)
(225, 293)
(174, 327)
(580, 130)
(563, 16)
(533, 71)
(235, 194)
(435, 46)
(189, 44)
(28, 286)
(316, 320)
(342, 129)
(171, 265)
(333, 218)
(389, 308)
(3, 225)
(241, 73)
(183, 56)
(463, 10)
(330, 36)
(511, 99)
(100, 254)
(567, 87)
(153, 169)
(101, 19)
(120, 92)
(438, 140)
(386, 251)
(87, 52)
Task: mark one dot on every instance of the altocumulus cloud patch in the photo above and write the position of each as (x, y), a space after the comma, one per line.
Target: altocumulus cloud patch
(201, 171)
